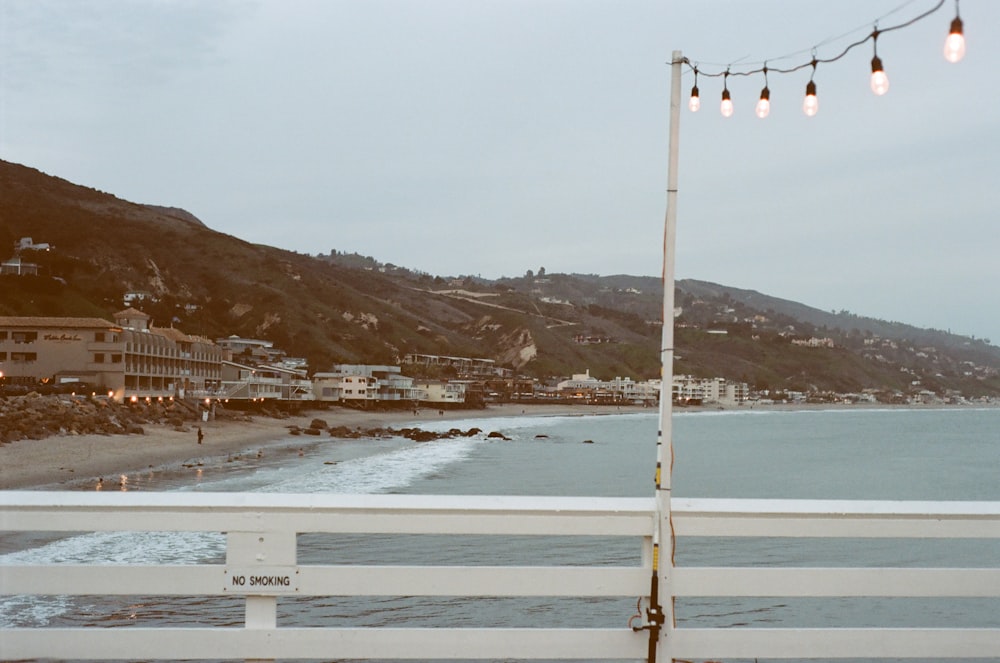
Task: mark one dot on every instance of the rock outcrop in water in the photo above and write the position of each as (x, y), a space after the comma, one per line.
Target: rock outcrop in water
(415, 434)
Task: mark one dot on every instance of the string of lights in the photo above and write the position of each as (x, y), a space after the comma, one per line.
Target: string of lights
(954, 51)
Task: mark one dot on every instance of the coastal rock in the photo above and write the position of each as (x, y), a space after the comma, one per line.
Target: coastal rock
(33, 416)
(415, 434)
(418, 435)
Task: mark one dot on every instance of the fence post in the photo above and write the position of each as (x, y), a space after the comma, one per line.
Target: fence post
(246, 551)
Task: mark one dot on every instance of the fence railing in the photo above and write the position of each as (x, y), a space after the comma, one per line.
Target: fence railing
(262, 566)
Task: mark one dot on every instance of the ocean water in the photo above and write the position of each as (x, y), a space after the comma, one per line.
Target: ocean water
(840, 454)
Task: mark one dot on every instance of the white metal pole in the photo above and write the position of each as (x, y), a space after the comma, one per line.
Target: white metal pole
(664, 441)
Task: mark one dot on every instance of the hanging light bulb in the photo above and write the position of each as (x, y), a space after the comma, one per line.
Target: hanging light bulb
(810, 106)
(954, 44)
(727, 103)
(880, 82)
(764, 103)
(694, 103)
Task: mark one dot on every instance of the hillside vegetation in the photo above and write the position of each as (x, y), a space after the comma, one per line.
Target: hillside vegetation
(338, 307)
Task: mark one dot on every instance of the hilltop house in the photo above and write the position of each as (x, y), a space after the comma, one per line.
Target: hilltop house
(16, 265)
(463, 366)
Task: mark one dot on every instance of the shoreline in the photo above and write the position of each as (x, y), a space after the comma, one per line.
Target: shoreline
(56, 462)
(62, 461)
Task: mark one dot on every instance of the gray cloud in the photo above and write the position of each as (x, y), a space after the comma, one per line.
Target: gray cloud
(493, 137)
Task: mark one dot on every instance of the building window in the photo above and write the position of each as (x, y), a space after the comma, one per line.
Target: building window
(116, 359)
(3, 336)
(3, 356)
(24, 337)
(99, 337)
(24, 356)
(99, 358)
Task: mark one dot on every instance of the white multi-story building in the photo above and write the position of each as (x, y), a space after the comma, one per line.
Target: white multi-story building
(620, 390)
(692, 390)
(358, 384)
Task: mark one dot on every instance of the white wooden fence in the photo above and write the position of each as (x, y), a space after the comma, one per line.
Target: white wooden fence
(261, 564)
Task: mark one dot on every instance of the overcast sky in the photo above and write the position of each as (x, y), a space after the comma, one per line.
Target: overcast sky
(492, 137)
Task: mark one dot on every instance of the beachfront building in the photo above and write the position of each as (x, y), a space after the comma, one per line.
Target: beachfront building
(620, 390)
(257, 352)
(736, 392)
(123, 359)
(250, 350)
(165, 361)
(690, 390)
(326, 387)
(440, 393)
(53, 350)
(255, 383)
(363, 384)
(580, 384)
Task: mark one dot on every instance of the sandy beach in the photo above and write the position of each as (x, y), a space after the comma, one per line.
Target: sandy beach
(59, 461)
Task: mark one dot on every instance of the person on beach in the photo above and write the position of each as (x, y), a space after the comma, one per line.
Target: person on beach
(201, 435)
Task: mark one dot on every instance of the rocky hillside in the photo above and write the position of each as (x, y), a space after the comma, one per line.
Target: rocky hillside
(337, 307)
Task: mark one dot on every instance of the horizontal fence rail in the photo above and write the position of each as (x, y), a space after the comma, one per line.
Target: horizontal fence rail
(261, 544)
